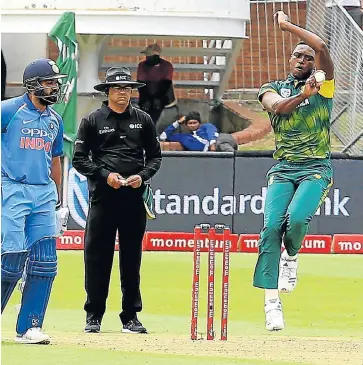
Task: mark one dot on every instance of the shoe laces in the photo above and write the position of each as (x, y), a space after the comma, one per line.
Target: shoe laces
(286, 271)
(94, 322)
(273, 305)
(36, 331)
(274, 314)
(135, 322)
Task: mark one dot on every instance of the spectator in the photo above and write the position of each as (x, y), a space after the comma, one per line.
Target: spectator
(157, 98)
(201, 137)
(3, 77)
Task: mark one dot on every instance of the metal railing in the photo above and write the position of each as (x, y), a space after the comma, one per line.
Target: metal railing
(345, 42)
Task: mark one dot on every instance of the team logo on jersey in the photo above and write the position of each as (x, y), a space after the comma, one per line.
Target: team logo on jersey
(285, 93)
(317, 176)
(51, 125)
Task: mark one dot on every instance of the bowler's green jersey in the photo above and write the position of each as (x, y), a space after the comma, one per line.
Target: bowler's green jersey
(305, 133)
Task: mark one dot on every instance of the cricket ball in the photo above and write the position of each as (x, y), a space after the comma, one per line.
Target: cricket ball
(319, 76)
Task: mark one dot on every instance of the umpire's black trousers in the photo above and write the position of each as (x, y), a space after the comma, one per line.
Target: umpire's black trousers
(114, 210)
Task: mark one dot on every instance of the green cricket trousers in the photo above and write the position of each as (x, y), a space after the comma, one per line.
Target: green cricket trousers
(295, 192)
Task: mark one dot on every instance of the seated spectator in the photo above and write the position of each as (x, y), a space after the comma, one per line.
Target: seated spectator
(157, 97)
(201, 137)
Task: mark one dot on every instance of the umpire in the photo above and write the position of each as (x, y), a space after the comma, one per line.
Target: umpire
(117, 150)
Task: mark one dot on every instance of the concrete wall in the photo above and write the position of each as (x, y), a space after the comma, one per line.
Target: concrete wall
(229, 122)
(19, 50)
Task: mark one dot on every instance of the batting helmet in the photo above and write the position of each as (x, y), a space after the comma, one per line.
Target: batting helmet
(40, 70)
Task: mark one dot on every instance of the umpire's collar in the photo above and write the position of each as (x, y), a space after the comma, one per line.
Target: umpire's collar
(107, 111)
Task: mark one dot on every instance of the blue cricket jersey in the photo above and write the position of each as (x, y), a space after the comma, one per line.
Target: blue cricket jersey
(199, 140)
(29, 141)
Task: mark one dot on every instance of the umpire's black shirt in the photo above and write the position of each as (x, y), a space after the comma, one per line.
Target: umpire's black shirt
(117, 142)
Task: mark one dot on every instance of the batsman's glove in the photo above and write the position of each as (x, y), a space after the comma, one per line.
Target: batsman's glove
(62, 215)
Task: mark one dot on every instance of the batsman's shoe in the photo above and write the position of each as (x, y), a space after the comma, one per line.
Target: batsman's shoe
(274, 316)
(33, 335)
(133, 326)
(287, 275)
(93, 326)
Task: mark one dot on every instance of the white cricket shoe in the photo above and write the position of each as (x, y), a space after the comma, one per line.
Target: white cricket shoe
(274, 316)
(33, 335)
(287, 275)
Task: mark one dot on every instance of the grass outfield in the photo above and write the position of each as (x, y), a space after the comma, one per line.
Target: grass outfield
(324, 317)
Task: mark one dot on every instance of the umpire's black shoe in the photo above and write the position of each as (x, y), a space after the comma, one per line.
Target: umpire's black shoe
(133, 326)
(93, 326)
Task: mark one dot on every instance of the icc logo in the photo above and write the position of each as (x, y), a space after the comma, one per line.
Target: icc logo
(136, 126)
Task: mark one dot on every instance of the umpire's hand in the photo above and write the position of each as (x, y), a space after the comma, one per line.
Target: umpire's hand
(134, 181)
(115, 180)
